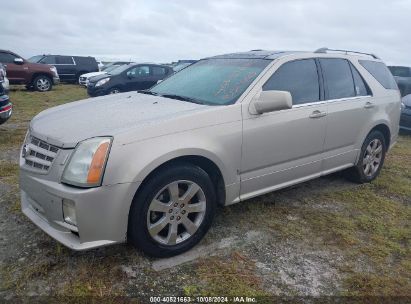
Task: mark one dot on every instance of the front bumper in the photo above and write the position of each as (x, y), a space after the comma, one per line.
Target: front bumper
(6, 109)
(83, 81)
(56, 80)
(102, 212)
(6, 85)
(95, 91)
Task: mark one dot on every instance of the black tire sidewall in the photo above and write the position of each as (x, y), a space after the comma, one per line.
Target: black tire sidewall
(138, 233)
(39, 77)
(112, 89)
(359, 167)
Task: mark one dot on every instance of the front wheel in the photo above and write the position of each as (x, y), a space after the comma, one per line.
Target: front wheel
(114, 91)
(42, 83)
(173, 211)
(371, 158)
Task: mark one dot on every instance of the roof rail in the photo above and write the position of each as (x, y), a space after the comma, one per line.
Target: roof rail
(325, 50)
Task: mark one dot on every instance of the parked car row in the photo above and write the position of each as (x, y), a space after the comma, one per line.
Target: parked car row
(127, 77)
(6, 107)
(40, 77)
(69, 68)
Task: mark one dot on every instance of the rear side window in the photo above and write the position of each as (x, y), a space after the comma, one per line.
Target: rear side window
(361, 88)
(158, 71)
(338, 78)
(300, 78)
(85, 60)
(381, 73)
(400, 71)
(64, 60)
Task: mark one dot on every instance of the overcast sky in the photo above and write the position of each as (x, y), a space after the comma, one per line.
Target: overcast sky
(163, 31)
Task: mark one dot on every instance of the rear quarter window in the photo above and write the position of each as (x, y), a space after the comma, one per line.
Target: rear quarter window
(381, 73)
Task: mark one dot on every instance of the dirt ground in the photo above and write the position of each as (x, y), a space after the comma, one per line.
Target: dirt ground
(325, 237)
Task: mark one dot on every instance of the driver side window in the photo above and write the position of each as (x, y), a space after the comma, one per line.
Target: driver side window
(298, 77)
(139, 71)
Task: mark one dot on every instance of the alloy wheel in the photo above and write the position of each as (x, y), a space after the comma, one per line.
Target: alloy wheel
(176, 212)
(372, 157)
(43, 84)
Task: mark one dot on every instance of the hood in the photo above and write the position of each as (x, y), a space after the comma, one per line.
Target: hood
(88, 75)
(66, 125)
(99, 76)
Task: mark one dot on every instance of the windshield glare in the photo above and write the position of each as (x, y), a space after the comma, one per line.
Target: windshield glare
(213, 81)
(119, 69)
(35, 59)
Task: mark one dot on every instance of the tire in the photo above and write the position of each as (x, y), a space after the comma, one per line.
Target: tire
(42, 83)
(156, 194)
(371, 161)
(114, 90)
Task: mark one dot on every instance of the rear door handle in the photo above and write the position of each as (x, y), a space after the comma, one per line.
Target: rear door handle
(317, 114)
(369, 105)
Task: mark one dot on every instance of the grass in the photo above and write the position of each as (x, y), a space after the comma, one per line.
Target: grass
(369, 224)
(231, 276)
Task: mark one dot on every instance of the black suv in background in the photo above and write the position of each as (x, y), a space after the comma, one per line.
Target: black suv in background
(5, 105)
(69, 68)
(402, 76)
(128, 77)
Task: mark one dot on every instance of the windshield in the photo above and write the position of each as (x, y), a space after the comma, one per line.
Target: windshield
(111, 68)
(35, 59)
(213, 81)
(118, 69)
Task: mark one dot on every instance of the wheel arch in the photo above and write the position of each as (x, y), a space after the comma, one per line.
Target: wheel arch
(36, 74)
(205, 163)
(385, 130)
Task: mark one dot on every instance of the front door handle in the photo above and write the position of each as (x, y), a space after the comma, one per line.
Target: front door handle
(369, 105)
(317, 114)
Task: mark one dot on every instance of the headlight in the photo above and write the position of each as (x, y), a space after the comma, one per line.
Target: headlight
(402, 106)
(87, 163)
(102, 81)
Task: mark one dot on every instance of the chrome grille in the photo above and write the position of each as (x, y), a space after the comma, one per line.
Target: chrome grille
(39, 155)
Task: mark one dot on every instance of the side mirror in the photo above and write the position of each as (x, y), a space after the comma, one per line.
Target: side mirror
(18, 61)
(270, 101)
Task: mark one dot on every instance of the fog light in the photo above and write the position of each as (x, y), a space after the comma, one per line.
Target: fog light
(69, 212)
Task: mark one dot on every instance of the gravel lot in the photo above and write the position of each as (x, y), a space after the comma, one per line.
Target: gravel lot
(326, 237)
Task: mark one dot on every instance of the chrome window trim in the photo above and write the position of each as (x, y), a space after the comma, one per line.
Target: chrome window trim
(329, 101)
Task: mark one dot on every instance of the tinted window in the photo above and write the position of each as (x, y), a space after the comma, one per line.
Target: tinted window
(64, 60)
(158, 71)
(381, 73)
(7, 58)
(300, 78)
(338, 78)
(400, 71)
(215, 81)
(139, 71)
(85, 60)
(49, 60)
(361, 88)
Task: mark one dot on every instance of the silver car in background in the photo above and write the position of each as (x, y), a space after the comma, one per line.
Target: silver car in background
(151, 167)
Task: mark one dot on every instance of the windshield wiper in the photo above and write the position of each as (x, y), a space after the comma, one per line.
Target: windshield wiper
(183, 98)
(147, 92)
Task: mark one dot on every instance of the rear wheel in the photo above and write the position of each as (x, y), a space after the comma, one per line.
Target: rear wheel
(371, 158)
(42, 83)
(172, 212)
